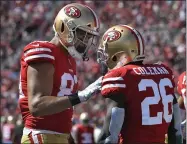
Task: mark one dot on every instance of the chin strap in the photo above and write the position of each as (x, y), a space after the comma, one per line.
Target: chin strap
(85, 57)
(73, 52)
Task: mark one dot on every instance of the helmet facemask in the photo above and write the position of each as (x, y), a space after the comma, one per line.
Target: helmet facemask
(102, 55)
(80, 40)
(104, 58)
(84, 41)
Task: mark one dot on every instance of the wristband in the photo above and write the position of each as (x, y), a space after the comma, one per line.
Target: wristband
(74, 99)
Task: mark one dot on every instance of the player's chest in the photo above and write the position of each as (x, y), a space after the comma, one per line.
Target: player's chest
(65, 77)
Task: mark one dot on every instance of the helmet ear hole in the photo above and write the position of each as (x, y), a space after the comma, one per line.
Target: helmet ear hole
(62, 27)
(89, 25)
(114, 58)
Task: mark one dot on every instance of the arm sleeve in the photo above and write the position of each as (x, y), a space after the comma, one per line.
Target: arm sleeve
(174, 131)
(112, 84)
(36, 52)
(113, 121)
(116, 122)
(74, 133)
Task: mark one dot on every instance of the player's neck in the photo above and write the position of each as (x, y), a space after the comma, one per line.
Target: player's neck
(56, 42)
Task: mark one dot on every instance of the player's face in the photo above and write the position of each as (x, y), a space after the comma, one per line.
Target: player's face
(84, 41)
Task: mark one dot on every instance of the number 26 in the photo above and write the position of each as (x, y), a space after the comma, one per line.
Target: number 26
(159, 92)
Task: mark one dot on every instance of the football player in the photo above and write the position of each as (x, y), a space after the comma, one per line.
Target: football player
(48, 81)
(181, 88)
(142, 95)
(83, 133)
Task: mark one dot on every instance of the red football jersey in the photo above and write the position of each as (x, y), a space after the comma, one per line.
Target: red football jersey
(65, 83)
(149, 93)
(181, 86)
(83, 134)
(8, 131)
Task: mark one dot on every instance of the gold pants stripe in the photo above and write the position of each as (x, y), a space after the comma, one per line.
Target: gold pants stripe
(45, 138)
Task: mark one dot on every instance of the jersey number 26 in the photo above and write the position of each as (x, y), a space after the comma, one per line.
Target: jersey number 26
(159, 91)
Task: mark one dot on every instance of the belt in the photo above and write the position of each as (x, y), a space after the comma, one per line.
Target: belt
(27, 131)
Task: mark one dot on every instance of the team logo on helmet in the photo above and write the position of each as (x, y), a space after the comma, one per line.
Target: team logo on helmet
(112, 36)
(72, 11)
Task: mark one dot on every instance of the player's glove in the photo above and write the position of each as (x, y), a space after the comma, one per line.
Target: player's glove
(85, 94)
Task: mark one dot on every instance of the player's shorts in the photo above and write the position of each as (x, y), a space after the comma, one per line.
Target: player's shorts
(33, 137)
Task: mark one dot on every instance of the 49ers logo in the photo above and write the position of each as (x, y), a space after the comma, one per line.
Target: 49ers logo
(72, 11)
(112, 36)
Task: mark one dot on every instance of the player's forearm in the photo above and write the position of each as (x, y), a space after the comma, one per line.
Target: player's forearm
(116, 122)
(47, 105)
(102, 137)
(177, 123)
(174, 131)
(113, 124)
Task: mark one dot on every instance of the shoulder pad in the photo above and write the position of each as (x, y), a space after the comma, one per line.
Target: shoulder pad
(39, 51)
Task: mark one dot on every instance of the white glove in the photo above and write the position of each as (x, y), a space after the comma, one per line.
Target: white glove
(85, 94)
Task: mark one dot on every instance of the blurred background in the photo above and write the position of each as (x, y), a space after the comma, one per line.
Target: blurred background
(162, 24)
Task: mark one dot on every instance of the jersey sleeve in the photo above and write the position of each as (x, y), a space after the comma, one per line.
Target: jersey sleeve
(181, 85)
(36, 52)
(112, 84)
(171, 75)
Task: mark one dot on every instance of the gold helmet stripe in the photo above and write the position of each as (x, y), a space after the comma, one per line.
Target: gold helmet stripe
(139, 39)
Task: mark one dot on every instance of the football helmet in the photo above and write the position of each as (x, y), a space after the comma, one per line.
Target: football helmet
(84, 118)
(118, 40)
(77, 27)
(10, 119)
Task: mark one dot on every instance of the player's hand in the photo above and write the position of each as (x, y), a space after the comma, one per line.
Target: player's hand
(89, 91)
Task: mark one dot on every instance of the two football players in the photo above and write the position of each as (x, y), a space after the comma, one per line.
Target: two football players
(48, 81)
(144, 107)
